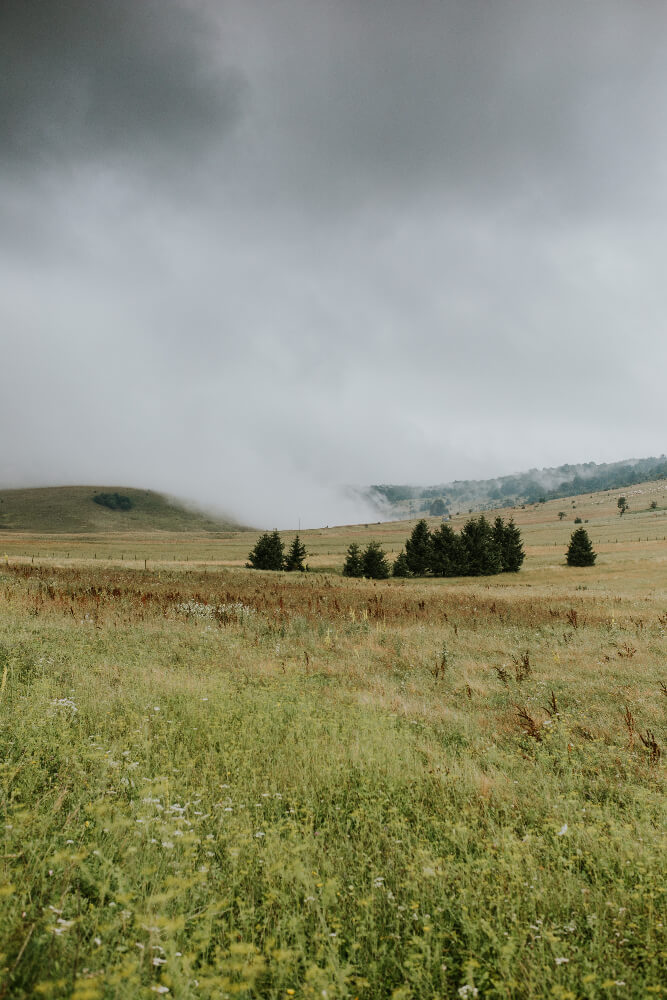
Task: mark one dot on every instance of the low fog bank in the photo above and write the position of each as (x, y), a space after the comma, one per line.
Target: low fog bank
(314, 507)
(262, 500)
(264, 505)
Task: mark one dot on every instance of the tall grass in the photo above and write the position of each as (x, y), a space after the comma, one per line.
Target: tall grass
(243, 785)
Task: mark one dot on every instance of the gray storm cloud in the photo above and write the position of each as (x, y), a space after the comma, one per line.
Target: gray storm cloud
(91, 82)
(253, 252)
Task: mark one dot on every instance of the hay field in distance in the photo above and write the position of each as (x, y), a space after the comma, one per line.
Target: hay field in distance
(222, 783)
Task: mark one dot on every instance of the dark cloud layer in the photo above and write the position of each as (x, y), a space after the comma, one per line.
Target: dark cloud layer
(84, 81)
(251, 251)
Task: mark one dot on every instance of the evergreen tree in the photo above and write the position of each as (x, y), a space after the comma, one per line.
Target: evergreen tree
(374, 562)
(400, 567)
(268, 552)
(418, 549)
(353, 565)
(482, 554)
(513, 552)
(446, 557)
(297, 553)
(508, 540)
(580, 550)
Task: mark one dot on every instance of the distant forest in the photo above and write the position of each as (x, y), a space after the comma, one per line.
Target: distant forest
(533, 486)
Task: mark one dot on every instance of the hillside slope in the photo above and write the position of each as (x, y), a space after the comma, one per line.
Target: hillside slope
(400, 501)
(73, 509)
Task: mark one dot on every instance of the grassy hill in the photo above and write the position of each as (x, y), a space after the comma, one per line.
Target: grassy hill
(74, 509)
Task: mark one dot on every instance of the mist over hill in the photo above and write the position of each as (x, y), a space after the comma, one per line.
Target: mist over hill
(397, 501)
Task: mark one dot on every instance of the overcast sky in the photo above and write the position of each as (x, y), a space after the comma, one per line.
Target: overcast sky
(254, 250)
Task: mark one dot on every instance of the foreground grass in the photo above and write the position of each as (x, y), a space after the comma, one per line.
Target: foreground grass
(250, 785)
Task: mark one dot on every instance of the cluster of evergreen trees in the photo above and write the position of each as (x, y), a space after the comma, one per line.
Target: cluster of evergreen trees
(481, 549)
(371, 563)
(269, 553)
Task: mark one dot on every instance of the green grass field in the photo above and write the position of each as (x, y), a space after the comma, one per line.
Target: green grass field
(224, 783)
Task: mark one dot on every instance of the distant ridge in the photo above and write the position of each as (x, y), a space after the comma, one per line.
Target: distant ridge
(400, 501)
(95, 509)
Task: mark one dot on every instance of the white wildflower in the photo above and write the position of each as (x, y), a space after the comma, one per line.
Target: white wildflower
(64, 703)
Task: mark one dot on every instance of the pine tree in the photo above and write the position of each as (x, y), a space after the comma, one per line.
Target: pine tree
(446, 552)
(353, 565)
(418, 549)
(482, 555)
(580, 550)
(513, 552)
(268, 552)
(297, 553)
(400, 567)
(508, 540)
(374, 562)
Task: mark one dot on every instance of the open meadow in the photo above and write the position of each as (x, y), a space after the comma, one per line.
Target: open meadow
(219, 782)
